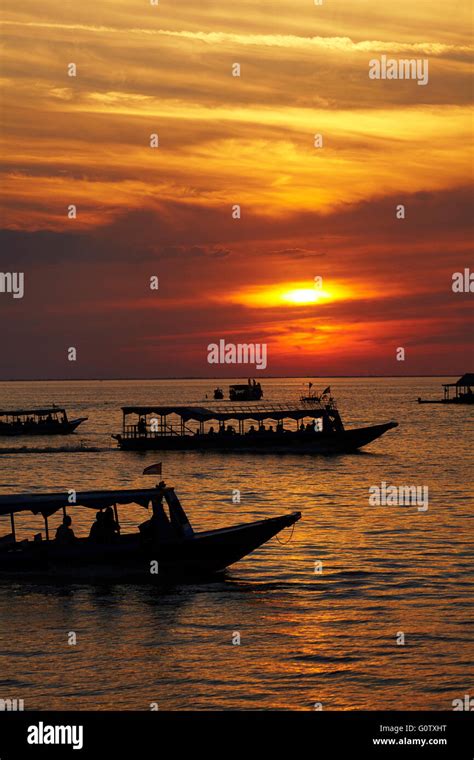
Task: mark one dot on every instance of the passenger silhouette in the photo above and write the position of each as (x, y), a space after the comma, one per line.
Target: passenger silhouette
(97, 532)
(65, 534)
(110, 525)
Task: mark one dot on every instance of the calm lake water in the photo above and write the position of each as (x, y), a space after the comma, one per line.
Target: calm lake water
(306, 637)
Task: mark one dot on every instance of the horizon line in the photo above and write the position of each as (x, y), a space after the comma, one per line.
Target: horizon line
(200, 377)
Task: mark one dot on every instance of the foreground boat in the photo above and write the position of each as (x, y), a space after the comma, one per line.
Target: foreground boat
(308, 428)
(462, 392)
(50, 421)
(166, 546)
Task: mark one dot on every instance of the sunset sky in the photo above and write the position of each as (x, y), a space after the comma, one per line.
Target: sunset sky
(306, 212)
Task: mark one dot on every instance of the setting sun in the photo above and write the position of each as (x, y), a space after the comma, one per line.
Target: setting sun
(305, 296)
(290, 294)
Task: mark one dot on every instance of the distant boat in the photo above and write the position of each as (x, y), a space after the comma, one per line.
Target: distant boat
(46, 421)
(252, 391)
(218, 394)
(165, 546)
(463, 392)
(314, 428)
(312, 396)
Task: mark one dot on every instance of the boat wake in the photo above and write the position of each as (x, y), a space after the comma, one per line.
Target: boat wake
(53, 449)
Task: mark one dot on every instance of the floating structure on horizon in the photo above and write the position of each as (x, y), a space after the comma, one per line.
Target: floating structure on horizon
(463, 393)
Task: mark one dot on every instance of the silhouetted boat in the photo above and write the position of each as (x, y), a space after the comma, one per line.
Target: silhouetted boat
(251, 391)
(218, 394)
(49, 421)
(312, 397)
(165, 546)
(317, 428)
(463, 392)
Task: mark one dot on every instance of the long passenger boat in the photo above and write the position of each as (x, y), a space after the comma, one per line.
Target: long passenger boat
(47, 421)
(313, 428)
(165, 546)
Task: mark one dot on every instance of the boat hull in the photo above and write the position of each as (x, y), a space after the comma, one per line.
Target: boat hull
(130, 559)
(46, 428)
(345, 441)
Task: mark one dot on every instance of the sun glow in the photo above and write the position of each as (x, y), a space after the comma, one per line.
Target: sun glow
(305, 296)
(290, 294)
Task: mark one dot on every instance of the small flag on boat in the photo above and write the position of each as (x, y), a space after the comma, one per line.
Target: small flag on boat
(153, 469)
(310, 385)
(326, 390)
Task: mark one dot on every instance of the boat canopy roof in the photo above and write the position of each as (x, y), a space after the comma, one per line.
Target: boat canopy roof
(48, 503)
(464, 382)
(235, 412)
(48, 410)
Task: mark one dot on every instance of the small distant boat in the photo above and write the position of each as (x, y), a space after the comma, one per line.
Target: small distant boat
(165, 546)
(313, 397)
(312, 428)
(46, 421)
(252, 391)
(462, 395)
(218, 394)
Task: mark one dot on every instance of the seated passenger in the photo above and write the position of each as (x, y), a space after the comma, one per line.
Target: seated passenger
(158, 526)
(251, 429)
(65, 534)
(211, 431)
(97, 532)
(302, 427)
(110, 525)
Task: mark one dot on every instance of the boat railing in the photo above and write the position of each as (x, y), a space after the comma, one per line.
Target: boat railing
(132, 431)
(167, 430)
